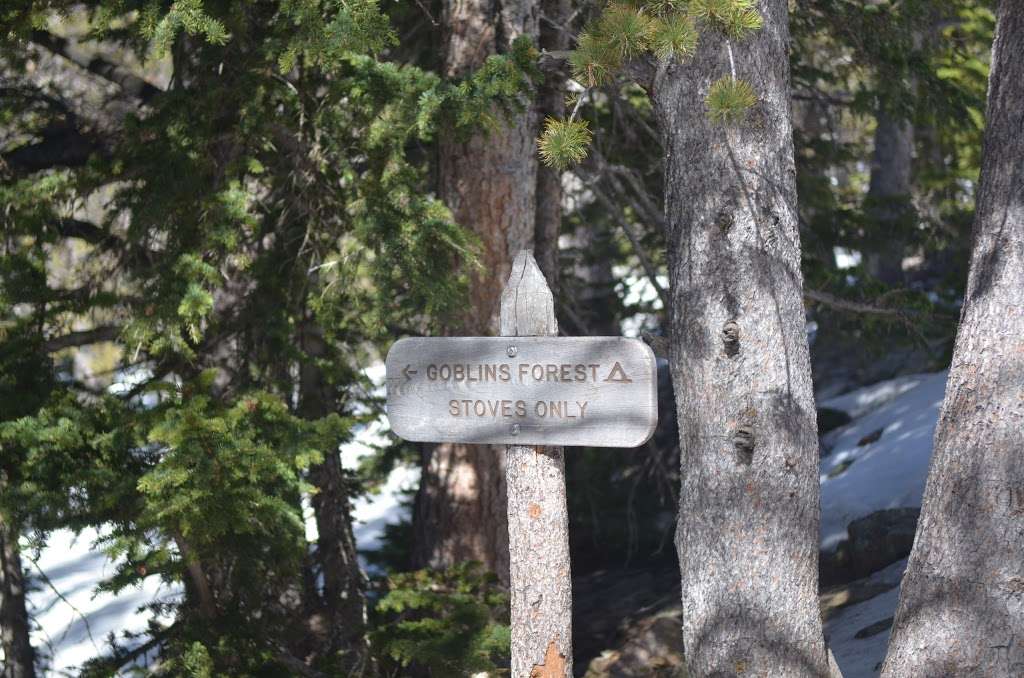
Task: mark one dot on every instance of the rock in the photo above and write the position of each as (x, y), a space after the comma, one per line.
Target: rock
(841, 467)
(874, 629)
(830, 418)
(880, 539)
(870, 438)
(651, 648)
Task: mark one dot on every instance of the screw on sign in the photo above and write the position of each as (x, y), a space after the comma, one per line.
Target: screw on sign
(534, 394)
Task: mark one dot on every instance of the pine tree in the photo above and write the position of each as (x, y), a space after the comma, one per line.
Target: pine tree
(489, 180)
(739, 356)
(960, 611)
(243, 237)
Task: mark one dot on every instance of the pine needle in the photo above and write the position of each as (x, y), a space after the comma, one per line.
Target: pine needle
(673, 35)
(564, 143)
(729, 100)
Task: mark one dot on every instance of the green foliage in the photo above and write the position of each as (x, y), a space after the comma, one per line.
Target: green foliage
(666, 30)
(734, 18)
(451, 623)
(162, 27)
(253, 236)
(729, 100)
(626, 29)
(673, 36)
(564, 142)
(594, 61)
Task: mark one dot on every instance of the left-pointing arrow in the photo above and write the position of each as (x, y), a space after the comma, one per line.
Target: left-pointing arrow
(407, 373)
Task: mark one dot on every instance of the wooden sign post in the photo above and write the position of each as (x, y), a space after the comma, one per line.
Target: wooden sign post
(533, 391)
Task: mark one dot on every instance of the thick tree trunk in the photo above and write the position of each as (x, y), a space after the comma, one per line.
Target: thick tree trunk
(489, 182)
(344, 585)
(748, 516)
(888, 200)
(14, 623)
(961, 610)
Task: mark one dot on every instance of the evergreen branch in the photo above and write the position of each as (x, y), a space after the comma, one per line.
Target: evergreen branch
(112, 664)
(81, 338)
(129, 83)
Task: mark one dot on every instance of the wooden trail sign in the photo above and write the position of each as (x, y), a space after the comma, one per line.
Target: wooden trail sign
(586, 391)
(534, 391)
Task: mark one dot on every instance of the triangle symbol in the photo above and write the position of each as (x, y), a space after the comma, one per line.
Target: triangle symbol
(618, 374)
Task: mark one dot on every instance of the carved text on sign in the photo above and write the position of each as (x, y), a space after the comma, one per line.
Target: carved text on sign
(598, 391)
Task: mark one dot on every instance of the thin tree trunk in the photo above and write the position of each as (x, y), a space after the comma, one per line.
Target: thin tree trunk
(554, 37)
(748, 517)
(961, 609)
(888, 200)
(14, 622)
(344, 585)
(489, 182)
(538, 518)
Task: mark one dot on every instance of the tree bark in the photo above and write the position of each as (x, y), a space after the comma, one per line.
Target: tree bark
(748, 517)
(538, 517)
(489, 182)
(18, 659)
(961, 609)
(344, 585)
(888, 202)
(554, 37)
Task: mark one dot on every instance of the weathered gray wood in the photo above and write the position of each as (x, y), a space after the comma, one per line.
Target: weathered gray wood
(538, 521)
(594, 391)
(961, 609)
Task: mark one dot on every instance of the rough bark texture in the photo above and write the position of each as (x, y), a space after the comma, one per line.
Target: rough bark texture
(489, 182)
(538, 519)
(888, 199)
(554, 37)
(344, 585)
(961, 610)
(18, 656)
(748, 517)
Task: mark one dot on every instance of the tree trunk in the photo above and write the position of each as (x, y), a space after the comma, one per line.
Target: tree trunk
(961, 610)
(538, 517)
(747, 536)
(14, 623)
(489, 182)
(888, 202)
(554, 37)
(344, 586)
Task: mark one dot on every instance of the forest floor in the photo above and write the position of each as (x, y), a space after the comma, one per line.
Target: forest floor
(877, 461)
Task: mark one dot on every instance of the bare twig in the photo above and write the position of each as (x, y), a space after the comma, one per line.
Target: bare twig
(46, 580)
(634, 239)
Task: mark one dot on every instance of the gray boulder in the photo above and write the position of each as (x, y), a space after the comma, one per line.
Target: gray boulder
(880, 539)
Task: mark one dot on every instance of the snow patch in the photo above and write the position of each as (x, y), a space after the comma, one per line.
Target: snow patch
(889, 472)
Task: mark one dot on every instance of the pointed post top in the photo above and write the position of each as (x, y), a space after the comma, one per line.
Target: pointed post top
(527, 306)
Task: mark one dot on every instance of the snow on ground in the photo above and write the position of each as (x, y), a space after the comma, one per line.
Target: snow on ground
(889, 472)
(869, 475)
(859, 657)
(73, 621)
